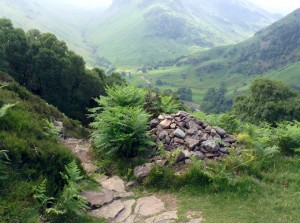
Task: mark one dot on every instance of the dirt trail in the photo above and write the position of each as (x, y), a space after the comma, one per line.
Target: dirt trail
(118, 204)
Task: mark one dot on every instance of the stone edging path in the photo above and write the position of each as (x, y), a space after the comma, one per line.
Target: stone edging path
(114, 202)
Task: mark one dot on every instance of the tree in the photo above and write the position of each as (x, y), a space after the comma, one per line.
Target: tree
(268, 100)
(214, 100)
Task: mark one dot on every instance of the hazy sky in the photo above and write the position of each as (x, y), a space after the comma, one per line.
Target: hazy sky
(280, 6)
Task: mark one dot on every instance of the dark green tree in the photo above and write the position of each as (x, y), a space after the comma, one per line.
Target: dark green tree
(268, 100)
(214, 100)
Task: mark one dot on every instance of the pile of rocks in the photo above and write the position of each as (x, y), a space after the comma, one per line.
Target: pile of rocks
(195, 137)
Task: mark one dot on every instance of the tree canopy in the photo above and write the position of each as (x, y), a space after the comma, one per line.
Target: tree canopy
(268, 100)
(45, 66)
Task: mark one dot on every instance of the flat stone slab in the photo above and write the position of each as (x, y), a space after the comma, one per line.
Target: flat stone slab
(167, 217)
(98, 199)
(114, 183)
(197, 220)
(147, 206)
(125, 213)
(134, 219)
(109, 211)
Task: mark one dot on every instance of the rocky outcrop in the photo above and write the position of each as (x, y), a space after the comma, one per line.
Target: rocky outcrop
(195, 137)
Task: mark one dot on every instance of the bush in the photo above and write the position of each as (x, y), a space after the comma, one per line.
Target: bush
(122, 95)
(121, 131)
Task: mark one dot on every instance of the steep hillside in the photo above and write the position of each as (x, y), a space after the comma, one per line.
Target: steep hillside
(273, 52)
(138, 32)
(28, 139)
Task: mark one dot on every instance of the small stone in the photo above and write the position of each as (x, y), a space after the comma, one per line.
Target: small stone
(167, 217)
(178, 119)
(193, 125)
(179, 133)
(168, 117)
(204, 137)
(180, 157)
(143, 170)
(125, 213)
(210, 146)
(109, 211)
(154, 123)
(217, 137)
(178, 141)
(131, 184)
(165, 123)
(147, 206)
(187, 153)
(230, 139)
(168, 140)
(208, 129)
(161, 117)
(213, 132)
(181, 124)
(192, 143)
(173, 126)
(224, 149)
(114, 183)
(198, 155)
(220, 131)
(188, 161)
(98, 199)
(209, 155)
(204, 125)
(161, 163)
(163, 135)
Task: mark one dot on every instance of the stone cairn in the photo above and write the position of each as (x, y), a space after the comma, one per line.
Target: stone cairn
(195, 137)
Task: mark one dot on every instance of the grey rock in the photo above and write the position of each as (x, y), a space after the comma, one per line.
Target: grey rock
(147, 206)
(168, 139)
(167, 217)
(204, 137)
(125, 213)
(208, 129)
(230, 139)
(163, 135)
(98, 199)
(198, 155)
(193, 125)
(220, 131)
(173, 126)
(114, 183)
(192, 143)
(210, 146)
(180, 157)
(131, 184)
(178, 141)
(109, 211)
(224, 149)
(161, 117)
(179, 133)
(161, 163)
(213, 132)
(143, 170)
(187, 153)
(154, 123)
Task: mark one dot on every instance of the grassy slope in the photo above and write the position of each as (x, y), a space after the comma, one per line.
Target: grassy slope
(123, 36)
(33, 155)
(229, 58)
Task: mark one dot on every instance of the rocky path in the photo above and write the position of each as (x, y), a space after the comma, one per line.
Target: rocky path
(118, 204)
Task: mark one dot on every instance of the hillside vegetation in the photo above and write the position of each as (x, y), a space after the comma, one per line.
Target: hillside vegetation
(45, 66)
(273, 52)
(30, 152)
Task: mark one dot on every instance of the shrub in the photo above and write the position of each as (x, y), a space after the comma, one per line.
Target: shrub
(122, 95)
(121, 131)
(169, 104)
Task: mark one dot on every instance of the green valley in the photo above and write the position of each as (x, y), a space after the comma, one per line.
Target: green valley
(273, 52)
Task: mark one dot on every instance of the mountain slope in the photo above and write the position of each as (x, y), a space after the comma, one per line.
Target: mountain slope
(138, 32)
(273, 52)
